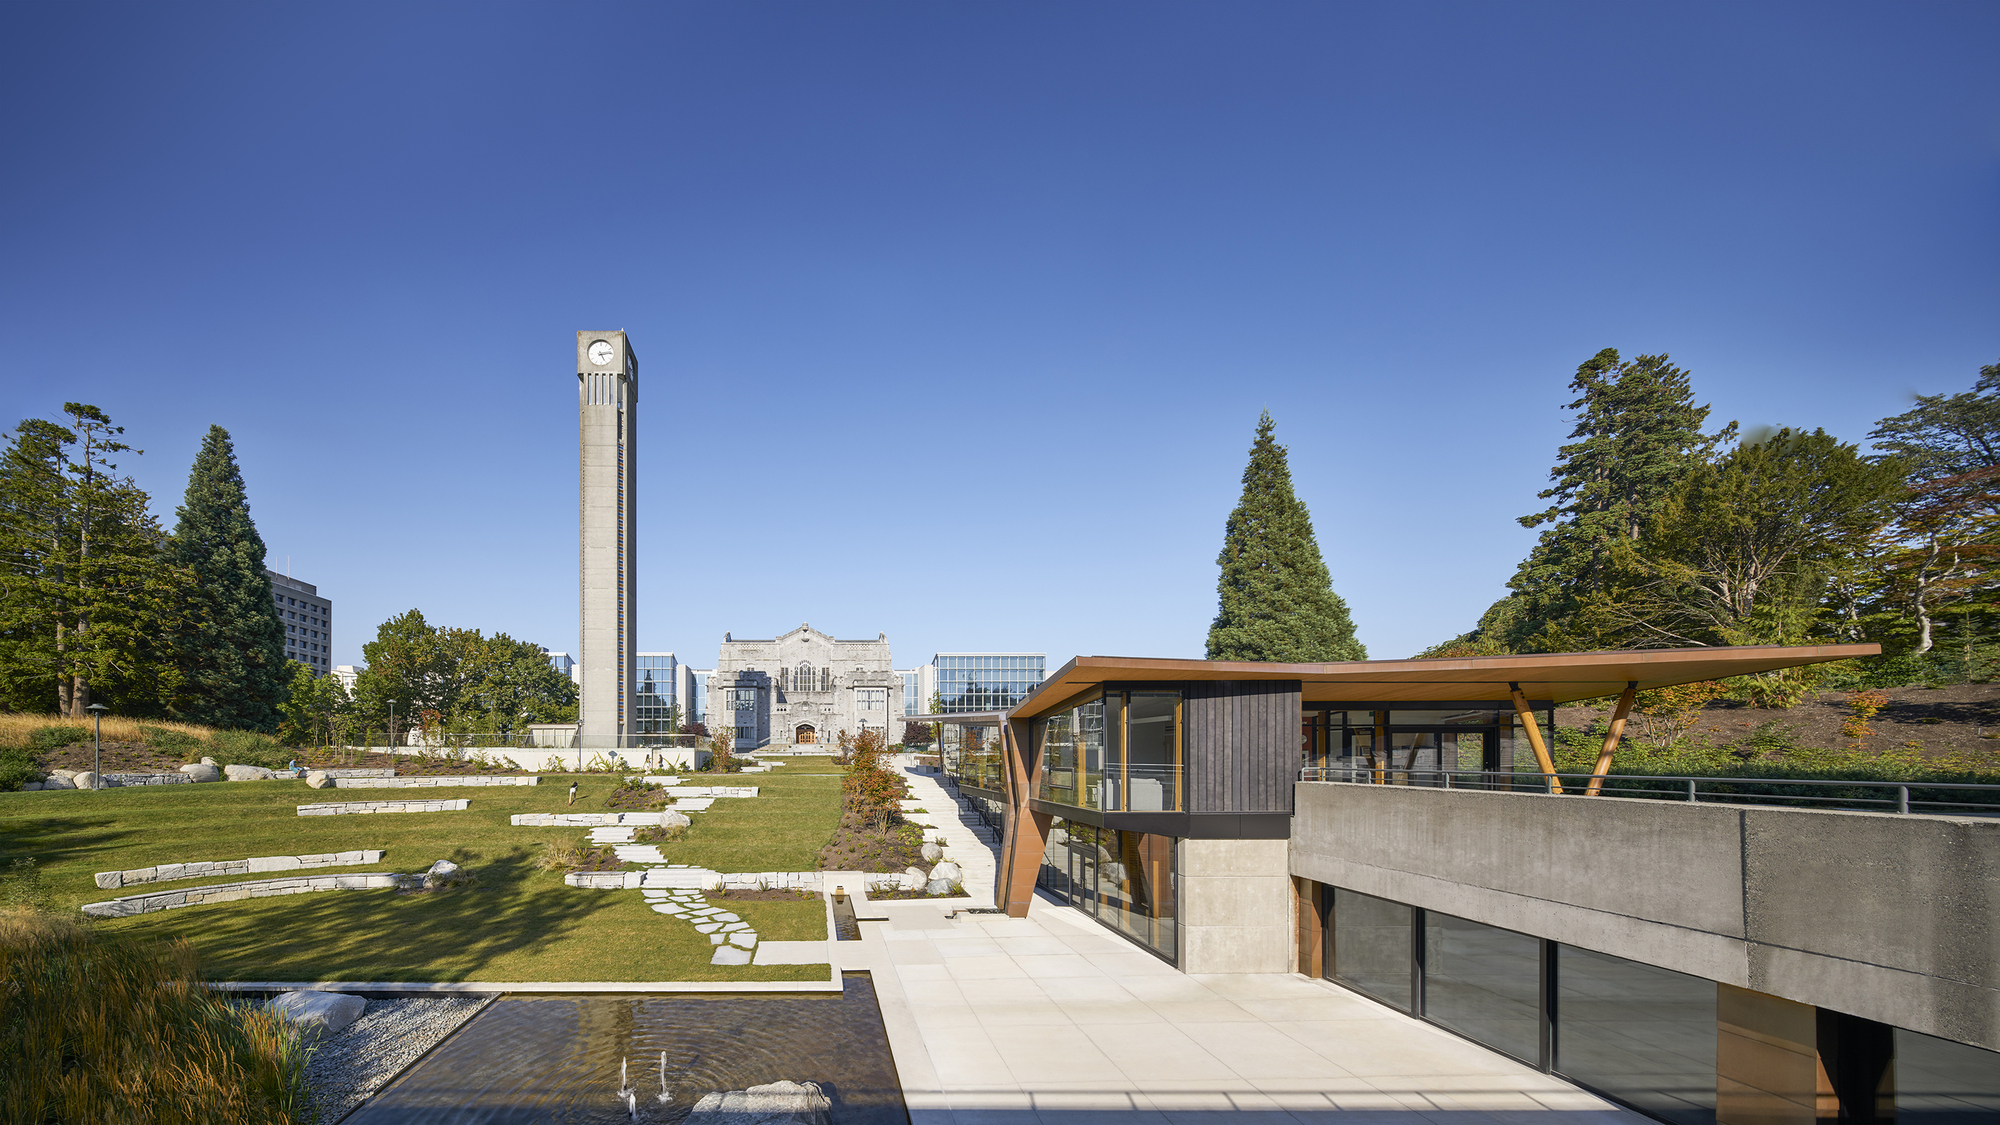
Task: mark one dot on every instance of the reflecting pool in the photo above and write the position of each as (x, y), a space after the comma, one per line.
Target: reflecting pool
(557, 1058)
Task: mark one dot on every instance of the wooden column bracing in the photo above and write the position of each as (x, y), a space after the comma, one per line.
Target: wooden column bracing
(1027, 833)
(1611, 739)
(1541, 748)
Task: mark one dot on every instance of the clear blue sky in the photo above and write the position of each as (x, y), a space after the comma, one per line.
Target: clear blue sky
(1027, 271)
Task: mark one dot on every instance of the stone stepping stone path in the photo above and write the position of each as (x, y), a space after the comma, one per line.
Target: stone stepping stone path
(733, 938)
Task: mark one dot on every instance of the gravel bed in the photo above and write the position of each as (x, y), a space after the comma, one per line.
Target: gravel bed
(392, 1033)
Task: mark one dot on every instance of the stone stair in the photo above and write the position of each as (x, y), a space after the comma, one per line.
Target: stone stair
(967, 840)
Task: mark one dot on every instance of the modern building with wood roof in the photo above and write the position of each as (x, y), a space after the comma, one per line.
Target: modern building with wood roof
(1397, 827)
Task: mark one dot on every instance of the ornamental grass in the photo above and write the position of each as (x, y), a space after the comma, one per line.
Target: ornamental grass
(96, 1027)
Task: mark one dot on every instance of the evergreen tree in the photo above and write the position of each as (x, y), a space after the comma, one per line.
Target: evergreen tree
(1277, 599)
(229, 646)
(1638, 433)
(81, 580)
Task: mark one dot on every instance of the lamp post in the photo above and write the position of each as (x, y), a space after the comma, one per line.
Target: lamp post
(97, 711)
(390, 750)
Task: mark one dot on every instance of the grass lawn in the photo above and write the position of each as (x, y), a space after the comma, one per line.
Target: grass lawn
(518, 923)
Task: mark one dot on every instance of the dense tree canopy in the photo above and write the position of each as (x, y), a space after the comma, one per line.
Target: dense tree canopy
(466, 680)
(1277, 599)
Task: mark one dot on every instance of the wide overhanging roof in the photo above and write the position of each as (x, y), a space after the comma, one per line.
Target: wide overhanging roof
(1561, 677)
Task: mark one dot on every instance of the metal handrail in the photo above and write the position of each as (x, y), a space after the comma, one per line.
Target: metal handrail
(1658, 786)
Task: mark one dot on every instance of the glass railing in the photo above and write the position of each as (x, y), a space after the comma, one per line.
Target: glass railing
(1880, 796)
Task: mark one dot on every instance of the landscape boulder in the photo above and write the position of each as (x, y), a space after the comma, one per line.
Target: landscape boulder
(31, 786)
(914, 878)
(932, 853)
(318, 1013)
(66, 775)
(317, 779)
(445, 873)
(247, 773)
(200, 771)
(57, 781)
(88, 780)
(672, 819)
(947, 870)
(211, 762)
(938, 887)
(775, 1103)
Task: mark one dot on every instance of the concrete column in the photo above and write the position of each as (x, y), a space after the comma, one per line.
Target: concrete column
(607, 508)
(1235, 906)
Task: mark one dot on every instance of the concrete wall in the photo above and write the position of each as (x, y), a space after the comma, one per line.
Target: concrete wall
(1890, 917)
(1235, 907)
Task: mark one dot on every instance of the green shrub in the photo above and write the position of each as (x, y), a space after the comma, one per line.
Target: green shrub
(248, 748)
(44, 739)
(17, 768)
(168, 741)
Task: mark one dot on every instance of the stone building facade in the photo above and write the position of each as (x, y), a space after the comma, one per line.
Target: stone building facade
(804, 687)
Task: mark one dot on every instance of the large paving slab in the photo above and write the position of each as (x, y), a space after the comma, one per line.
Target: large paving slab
(1052, 1020)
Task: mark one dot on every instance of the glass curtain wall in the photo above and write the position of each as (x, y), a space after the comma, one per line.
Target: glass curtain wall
(1406, 746)
(1643, 1035)
(1123, 879)
(1119, 752)
(974, 757)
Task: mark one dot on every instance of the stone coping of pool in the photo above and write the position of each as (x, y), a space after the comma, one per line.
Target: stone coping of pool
(355, 808)
(427, 782)
(168, 872)
(151, 902)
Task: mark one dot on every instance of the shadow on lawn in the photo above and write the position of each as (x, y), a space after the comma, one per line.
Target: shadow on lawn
(58, 840)
(385, 935)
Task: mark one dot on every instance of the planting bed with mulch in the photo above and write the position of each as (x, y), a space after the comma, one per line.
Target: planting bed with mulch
(1962, 718)
(640, 797)
(724, 898)
(598, 859)
(857, 846)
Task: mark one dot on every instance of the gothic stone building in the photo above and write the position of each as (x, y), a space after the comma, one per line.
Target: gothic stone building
(803, 687)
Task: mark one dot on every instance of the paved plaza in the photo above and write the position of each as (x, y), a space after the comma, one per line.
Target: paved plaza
(1053, 1020)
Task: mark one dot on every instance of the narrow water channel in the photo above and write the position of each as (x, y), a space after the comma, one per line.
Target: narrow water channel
(554, 1058)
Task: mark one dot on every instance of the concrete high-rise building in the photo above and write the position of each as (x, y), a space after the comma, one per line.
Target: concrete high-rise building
(308, 618)
(607, 413)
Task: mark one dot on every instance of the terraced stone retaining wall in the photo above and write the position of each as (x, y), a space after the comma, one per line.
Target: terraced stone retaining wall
(354, 808)
(153, 901)
(122, 779)
(585, 819)
(424, 782)
(168, 872)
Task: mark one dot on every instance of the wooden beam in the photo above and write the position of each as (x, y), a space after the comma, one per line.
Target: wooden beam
(1542, 759)
(1611, 740)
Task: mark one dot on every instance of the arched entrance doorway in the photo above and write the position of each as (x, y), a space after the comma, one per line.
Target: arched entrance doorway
(805, 733)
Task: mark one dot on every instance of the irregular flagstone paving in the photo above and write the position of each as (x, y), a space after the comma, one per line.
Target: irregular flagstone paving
(733, 938)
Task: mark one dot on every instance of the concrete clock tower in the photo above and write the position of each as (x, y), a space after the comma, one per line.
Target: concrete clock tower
(607, 414)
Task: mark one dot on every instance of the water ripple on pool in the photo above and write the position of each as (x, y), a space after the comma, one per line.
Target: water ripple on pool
(554, 1058)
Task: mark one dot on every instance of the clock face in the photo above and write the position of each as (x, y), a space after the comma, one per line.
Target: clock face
(601, 352)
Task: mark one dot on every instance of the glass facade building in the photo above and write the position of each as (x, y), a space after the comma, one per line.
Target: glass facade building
(655, 709)
(976, 681)
(1125, 880)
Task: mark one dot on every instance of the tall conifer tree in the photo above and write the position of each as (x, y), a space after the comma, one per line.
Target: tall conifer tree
(1277, 599)
(229, 649)
(1638, 434)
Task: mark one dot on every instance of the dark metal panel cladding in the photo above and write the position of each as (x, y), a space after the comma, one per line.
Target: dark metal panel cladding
(1241, 747)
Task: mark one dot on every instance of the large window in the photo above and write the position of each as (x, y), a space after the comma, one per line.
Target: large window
(1484, 983)
(1372, 947)
(1119, 752)
(982, 682)
(1643, 1034)
(1123, 879)
(1939, 1082)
